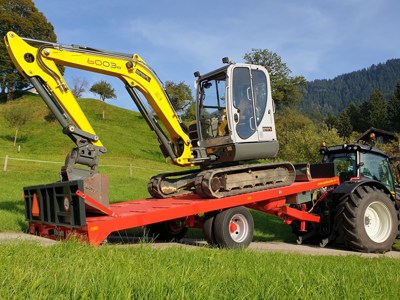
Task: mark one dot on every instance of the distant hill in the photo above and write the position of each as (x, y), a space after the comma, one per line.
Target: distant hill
(333, 95)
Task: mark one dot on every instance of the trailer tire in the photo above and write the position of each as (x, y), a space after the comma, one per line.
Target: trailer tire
(208, 228)
(172, 230)
(233, 228)
(366, 220)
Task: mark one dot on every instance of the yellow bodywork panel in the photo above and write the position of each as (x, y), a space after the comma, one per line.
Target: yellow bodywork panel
(133, 71)
(24, 58)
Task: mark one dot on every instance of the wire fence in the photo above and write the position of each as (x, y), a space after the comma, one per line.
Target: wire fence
(131, 167)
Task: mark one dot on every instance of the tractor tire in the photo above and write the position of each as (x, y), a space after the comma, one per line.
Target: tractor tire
(234, 228)
(366, 220)
(208, 229)
(173, 230)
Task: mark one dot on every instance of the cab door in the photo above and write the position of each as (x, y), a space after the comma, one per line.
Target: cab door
(252, 105)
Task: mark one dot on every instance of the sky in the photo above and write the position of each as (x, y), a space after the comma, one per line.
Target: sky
(317, 39)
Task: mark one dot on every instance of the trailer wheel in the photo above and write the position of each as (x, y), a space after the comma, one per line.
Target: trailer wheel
(367, 220)
(172, 230)
(233, 228)
(208, 228)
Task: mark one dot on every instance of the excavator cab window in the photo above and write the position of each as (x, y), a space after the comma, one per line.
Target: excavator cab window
(243, 102)
(250, 99)
(213, 108)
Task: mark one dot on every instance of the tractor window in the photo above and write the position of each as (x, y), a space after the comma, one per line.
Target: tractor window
(377, 168)
(212, 108)
(344, 163)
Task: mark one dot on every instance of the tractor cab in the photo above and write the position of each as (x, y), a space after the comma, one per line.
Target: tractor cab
(359, 161)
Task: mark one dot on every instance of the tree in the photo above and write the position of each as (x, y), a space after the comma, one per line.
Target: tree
(286, 90)
(22, 17)
(179, 94)
(16, 117)
(104, 90)
(378, 114)
(394, 109)
(356, 119)
(365, 110)
(300, 138)
(190, 113)
(344, 125)
(79, 86)
(330, 121)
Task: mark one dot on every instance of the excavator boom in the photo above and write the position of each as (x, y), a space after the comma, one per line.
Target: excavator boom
(38, 60)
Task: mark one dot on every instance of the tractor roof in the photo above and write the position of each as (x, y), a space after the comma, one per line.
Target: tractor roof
(351, 148)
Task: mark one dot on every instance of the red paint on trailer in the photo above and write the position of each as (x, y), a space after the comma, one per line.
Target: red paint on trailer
(137, 213)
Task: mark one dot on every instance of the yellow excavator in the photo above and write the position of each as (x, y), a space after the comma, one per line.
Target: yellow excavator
(234, 121)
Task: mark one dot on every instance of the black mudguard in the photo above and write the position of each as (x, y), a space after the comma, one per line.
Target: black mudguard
(348, 187)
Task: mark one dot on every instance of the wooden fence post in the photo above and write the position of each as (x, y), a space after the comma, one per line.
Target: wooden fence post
(5, 163)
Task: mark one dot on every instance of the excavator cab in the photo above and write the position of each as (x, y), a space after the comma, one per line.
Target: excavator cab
(235, 113)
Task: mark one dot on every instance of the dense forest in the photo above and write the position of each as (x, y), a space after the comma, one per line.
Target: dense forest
(332, 96)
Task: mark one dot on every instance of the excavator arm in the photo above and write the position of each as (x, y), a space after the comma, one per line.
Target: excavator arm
(38, 60)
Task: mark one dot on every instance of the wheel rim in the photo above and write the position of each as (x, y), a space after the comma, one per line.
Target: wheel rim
(377, 222)
(238, 228)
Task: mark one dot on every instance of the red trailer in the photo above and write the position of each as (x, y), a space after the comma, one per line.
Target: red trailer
(61, 210)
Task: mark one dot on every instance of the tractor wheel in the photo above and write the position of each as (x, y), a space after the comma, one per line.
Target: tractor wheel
(173, 230)
(208, 229)
(366, 220)
(233, 228)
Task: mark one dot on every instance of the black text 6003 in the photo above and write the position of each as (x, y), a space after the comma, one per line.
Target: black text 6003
(104, 63)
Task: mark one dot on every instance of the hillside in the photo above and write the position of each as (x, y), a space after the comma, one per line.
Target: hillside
(133, 151)
(333, 95)
(123, 132)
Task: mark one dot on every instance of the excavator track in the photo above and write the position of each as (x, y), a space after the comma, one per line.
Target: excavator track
(230, 181)
(223, 182)
(172, 184)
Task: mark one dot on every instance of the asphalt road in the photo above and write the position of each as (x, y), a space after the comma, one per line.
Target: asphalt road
(14, 237)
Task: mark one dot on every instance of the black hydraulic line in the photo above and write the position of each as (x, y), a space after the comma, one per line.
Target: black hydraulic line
(61, 116)
(53, 106)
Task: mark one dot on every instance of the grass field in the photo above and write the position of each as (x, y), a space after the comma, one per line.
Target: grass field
(71, 270)
(74, 271)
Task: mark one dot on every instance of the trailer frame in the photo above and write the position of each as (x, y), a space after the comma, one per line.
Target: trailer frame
(62, 210)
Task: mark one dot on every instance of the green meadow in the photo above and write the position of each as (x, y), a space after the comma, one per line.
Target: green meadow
(71, 270)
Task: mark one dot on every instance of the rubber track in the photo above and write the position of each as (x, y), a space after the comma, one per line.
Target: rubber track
(203, 183)
(155, 183)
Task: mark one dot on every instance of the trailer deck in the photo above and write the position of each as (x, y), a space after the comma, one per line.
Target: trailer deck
(61, 210)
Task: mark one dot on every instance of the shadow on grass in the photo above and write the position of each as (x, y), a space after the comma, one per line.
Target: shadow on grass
(16, 208)
(10, 138)
(13, 206)
(270, 228)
